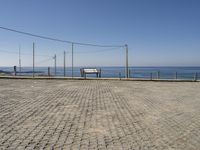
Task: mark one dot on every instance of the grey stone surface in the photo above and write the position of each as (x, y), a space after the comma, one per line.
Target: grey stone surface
(98, 114)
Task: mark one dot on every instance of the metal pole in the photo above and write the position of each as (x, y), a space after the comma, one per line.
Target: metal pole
(126, 72)
(19, 58)
(64, 64)
(100, 73)
(15, 70)
(49, 73)
(55, 64)
(158, 75)
(195, 76)
(151, 76)
(33, 59)
(176, 75)
(72, 60)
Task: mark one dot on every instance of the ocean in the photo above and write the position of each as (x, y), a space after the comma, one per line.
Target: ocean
(116, 72)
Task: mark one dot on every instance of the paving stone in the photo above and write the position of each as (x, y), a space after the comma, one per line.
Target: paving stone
(99, 114)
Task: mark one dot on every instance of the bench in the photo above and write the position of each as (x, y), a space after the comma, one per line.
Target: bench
(85, 71)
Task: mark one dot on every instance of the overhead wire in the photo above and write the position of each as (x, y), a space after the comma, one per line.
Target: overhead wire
(43, 61)
(112, 47)
(14, 52)
(97, 51)
(56, 39)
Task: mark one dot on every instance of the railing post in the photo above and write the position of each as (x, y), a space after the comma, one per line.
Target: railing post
(15, 70)
(120, 75)
(175, 75)
(158, 75)
(129, 73)
(49, 73)
(55, 69)
(100, 73)
(195, 76)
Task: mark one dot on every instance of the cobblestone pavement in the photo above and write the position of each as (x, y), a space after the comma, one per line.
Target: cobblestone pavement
(99, 114)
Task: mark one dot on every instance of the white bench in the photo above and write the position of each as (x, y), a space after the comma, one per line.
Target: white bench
(85, 71)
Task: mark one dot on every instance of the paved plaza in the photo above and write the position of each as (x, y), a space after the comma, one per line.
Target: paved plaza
(99, 114)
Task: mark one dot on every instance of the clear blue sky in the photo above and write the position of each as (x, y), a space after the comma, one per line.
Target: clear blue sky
(158, 32)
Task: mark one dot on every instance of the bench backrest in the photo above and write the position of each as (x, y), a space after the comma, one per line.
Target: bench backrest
(90, 70)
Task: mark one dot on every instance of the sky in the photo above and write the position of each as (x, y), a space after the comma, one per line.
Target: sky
(158, 32)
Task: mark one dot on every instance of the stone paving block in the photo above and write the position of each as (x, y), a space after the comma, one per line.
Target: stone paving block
(99, 115)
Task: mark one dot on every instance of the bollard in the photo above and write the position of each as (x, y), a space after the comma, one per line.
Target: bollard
(15, 70)
(49, 73)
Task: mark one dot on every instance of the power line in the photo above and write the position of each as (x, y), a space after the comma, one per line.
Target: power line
(98, 51)
(56, 39)
(43, 61)
(14, 52)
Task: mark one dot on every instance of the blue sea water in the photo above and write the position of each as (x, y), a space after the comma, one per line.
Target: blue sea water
(116, 72)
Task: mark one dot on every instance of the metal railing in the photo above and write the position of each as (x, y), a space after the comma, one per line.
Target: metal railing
(109, 73)
(159, 75)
